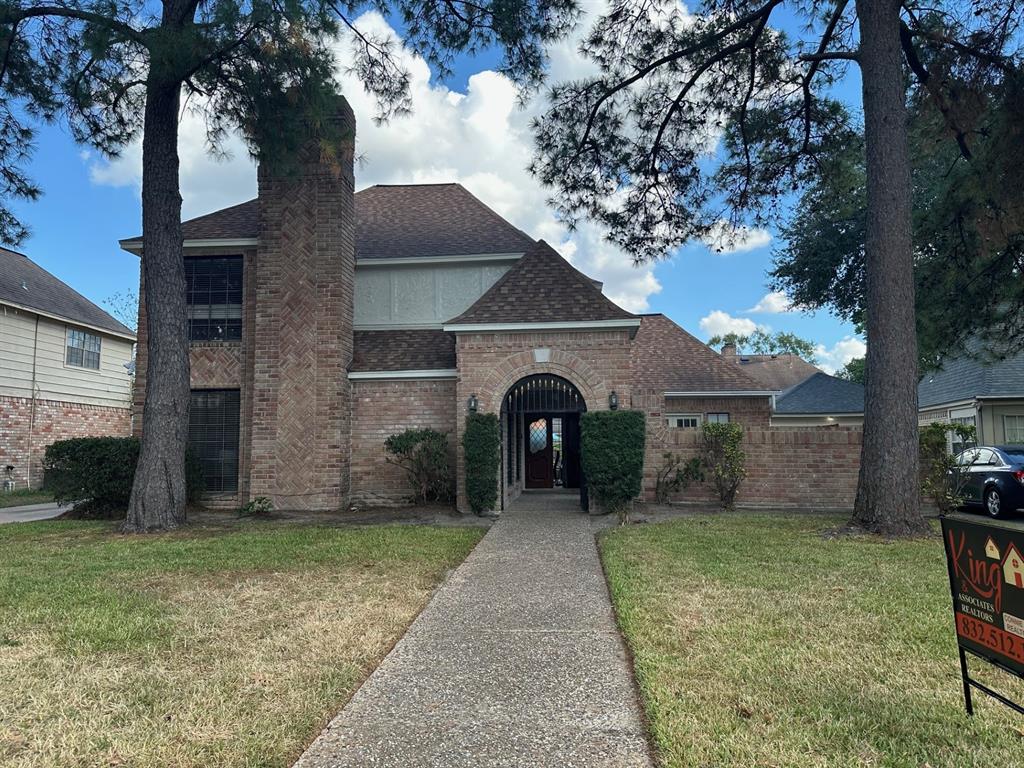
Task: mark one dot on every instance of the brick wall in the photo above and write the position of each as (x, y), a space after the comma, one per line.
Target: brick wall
(24, 439)
(383, 408)
(302, 345)
(798, 467)
(748, 411)
(596, 362)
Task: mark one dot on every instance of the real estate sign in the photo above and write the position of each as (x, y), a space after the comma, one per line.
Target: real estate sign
(986, 576)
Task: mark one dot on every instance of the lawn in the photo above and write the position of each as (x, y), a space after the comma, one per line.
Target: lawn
(24, 496)
(760, 642)
(211, 647)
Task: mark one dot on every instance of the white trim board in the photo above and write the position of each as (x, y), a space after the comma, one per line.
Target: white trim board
(736, 393)
(538, 327)
(441, 373)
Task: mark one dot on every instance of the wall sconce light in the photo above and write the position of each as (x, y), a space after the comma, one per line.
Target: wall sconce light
(473, 403)
(613, 400)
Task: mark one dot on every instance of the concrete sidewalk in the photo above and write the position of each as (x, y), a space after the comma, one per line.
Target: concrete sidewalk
(517, 661)
(30, 512)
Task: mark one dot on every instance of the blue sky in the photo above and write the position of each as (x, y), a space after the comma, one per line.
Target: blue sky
(463, 129)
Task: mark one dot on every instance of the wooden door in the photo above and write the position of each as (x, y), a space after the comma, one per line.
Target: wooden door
(540, 471)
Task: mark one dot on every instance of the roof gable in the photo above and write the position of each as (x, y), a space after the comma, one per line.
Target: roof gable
(668, 359)
(25, 284)
(393, 222)
(542, 287)
(822, 394)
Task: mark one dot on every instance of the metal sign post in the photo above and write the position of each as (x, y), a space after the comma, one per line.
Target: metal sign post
(985, 559)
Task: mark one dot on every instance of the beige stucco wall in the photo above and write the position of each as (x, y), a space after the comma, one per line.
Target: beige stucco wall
(20, 342)
(817, 421)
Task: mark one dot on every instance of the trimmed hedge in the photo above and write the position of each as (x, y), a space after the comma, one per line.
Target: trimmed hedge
(612, 444)
(481, 445)
(96, 473)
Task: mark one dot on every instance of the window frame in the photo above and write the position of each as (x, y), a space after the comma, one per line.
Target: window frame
(205, 315)
(69, 333)
(222, 489)
(1006, 430)
(671, 417)
(715, 418)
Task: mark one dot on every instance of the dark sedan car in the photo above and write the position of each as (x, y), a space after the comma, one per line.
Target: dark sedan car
(994, 478)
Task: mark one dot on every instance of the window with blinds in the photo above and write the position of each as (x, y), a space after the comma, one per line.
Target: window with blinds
(213, 426)
(214, 285)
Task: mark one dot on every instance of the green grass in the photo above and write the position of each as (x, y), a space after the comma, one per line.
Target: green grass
(213, 647)
(24, 496)
(759, 642)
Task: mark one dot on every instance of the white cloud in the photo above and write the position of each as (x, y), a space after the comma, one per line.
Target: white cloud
(480, 138)
(843, 351)
(719, 323)
(773, 303)
(725, 238)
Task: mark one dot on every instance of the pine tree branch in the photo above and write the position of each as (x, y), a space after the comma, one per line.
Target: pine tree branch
(13, 16)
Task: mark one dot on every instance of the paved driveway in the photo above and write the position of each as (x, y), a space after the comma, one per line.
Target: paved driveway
(517, 661)
(29, 512)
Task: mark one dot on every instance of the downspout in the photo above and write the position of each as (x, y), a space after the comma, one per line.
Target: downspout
(980, 422)
(32, 406)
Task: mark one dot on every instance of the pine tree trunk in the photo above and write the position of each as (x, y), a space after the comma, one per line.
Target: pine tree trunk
(888, 499)
(158, 494)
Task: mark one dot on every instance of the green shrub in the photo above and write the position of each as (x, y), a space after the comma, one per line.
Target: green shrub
(481, 444)
(724, 460)
(941, 479)
(258, 507)
(96, 473)
(675, 475)
(423, 455)
(612, 448)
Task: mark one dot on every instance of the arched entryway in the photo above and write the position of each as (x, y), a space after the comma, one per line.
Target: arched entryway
(540, 420)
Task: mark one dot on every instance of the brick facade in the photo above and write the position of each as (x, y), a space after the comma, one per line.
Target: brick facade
(383, 408)
(489, 364)
(24, 435)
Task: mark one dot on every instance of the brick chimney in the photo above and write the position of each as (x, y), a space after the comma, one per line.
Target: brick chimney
(729, 350)
(305, 276)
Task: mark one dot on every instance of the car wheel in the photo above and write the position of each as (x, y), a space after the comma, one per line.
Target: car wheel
(993, 502)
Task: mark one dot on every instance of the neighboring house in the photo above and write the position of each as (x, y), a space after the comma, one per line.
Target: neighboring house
(323, 320)
(820, 400)
(988, 395)
(62, 368)
(775, 372)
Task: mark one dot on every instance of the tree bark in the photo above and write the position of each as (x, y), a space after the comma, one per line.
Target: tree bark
(159, 492)
(888, 498)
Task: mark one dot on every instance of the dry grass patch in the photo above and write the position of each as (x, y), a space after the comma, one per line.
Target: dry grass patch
(220, 649)
(759, 642)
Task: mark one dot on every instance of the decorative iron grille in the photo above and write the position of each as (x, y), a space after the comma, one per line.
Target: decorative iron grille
(544, 393)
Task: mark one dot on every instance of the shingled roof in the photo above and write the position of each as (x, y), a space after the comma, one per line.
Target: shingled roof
(971, 376)
(24, 283)
(668, 359)
(822, 394)
(776, 372)
(393, 222)
(542, 287)
(403, 350)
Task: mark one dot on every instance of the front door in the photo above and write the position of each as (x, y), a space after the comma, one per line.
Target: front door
(539, 458)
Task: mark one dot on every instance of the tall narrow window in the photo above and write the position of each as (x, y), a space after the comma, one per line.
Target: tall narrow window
(83, 349)
(214, 297)
(1014, 427)
(213, 437)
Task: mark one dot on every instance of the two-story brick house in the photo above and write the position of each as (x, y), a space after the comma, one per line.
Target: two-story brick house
(323, 320)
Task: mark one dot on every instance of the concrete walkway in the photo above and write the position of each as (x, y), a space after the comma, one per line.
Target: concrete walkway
(29, 512)
(517, 661)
